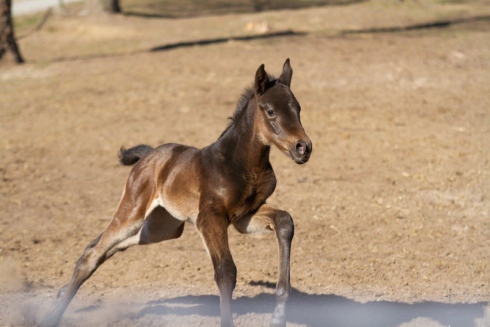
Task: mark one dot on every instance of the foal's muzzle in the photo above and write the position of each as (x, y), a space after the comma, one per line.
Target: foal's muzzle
(302, 151)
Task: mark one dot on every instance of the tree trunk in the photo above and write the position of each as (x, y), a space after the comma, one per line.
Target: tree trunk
(112, 6)
(7, 37)
(98, 6)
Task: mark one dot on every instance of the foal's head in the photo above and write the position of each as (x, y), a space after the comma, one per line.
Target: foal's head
(278, 115)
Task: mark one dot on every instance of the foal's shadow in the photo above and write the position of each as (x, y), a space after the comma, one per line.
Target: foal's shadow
(323, 309)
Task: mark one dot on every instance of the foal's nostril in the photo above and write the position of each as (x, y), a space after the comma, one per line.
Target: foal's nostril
(301, 148)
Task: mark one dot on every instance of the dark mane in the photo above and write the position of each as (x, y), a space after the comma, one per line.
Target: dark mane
(242, 103)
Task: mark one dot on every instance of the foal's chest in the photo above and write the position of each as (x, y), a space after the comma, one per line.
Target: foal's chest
(257, 188)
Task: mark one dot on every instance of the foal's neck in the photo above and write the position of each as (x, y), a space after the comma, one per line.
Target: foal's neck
(242, 141)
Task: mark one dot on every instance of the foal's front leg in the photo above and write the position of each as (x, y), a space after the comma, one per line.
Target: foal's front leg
(214, 232)
(269, 218)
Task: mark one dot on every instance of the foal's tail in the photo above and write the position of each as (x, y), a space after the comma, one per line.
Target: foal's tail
(128, 157)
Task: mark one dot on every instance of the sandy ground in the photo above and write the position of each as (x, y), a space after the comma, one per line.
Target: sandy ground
(391, 212)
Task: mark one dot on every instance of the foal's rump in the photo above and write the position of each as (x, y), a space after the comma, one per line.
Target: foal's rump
(166, 176)
(160, 192)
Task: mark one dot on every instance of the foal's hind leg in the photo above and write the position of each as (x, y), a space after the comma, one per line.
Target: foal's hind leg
(126, 223)
(269, 218)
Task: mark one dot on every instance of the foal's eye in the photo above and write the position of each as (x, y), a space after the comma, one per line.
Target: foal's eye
(271, 113)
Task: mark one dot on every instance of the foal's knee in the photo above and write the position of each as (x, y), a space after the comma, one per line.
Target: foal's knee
(225, 273)
(89, 261)
(284, 226)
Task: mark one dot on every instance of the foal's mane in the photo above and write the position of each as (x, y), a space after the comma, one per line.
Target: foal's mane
(243, 101)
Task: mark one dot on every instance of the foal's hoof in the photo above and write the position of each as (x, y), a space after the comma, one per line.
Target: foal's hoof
(275, 322)
(49, 322)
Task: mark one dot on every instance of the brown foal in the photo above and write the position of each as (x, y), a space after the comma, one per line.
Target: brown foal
(226, 183)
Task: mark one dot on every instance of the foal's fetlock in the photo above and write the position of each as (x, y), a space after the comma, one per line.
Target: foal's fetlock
(61, 292)
(282, 294)
(226, 272)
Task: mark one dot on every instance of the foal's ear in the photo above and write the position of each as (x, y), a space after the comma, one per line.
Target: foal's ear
(261, 80)
(287, 74)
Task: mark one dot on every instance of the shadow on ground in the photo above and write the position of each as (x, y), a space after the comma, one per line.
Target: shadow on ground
(323, 310)
(192, 8)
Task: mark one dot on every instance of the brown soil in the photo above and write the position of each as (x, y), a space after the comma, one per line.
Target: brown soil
(391, 212)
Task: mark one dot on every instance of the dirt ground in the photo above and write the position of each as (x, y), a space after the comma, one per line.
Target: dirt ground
(391, 212)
